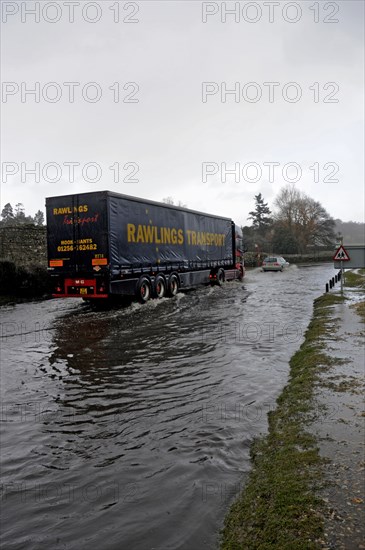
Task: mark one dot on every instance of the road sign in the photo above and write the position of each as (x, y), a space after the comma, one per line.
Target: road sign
(341, 255)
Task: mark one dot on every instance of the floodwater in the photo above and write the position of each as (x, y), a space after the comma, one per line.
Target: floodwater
(131, 428)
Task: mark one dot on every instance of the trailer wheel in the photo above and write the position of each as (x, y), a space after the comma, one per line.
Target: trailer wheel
(143, 291)
(173, 285)
(159, 287)
(221, 277)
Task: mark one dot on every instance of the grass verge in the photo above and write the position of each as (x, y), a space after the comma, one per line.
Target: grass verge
(278, 508)
(360, 310)
(355, 280)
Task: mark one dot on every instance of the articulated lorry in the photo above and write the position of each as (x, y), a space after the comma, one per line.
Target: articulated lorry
(103, 245)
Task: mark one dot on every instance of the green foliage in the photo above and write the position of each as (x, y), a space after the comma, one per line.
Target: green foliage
(354, 280)
(7, 214)
(39, 218)
(284, 241)
(261, 216)
(305, 220)
(25, 282)
(299, 224)
(9, 218)
(7, 277)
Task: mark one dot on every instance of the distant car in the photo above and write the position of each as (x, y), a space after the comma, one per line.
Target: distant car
(274, 263)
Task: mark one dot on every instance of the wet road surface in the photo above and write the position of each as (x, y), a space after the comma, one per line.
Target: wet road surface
(131, 428)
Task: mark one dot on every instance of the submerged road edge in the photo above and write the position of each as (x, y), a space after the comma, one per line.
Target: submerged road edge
(299, 494)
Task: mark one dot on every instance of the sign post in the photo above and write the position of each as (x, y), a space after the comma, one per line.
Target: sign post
(341, 277)
(342, 256)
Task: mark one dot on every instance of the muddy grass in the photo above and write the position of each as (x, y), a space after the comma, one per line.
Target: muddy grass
(282, 505)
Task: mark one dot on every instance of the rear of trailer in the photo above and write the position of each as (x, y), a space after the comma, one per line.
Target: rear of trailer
(104, 244)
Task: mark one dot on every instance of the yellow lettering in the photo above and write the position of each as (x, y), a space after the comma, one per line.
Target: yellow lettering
(131, 229)
(158, 235)
(201, 238)
(68, 210)
(140, 238)
(148, 233)
(157, 240)
(173, 236)
(166, 232)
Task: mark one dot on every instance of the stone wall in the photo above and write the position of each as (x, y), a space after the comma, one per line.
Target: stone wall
(24, 245)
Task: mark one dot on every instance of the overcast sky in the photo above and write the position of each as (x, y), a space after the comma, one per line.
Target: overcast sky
(148, 99)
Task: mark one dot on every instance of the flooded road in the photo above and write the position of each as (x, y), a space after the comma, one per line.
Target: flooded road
(131, 428)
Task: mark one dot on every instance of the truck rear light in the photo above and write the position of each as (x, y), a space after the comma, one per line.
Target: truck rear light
(58, 287)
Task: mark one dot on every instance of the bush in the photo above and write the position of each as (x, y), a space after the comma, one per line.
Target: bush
(20, 281)
(7, 277)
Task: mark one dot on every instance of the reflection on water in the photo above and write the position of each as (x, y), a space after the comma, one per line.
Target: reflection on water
(131, 428)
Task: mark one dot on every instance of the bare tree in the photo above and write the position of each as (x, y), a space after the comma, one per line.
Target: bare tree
(304, 220)
(170, 200)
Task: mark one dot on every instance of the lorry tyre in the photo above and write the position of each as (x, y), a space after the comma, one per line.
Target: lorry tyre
(143, 291)
(221, 277)
(173, 285)
(159, 286)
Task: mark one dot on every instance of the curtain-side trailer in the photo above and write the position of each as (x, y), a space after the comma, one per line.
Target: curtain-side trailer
(104, 244)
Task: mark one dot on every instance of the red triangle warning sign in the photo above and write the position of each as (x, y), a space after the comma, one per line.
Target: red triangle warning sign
(341, 255)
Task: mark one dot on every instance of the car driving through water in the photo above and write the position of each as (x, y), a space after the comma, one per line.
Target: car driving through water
(274, 263)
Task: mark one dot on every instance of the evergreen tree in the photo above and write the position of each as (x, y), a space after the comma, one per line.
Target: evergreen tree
(19, 213)
(7, 214)
(39, 218)
(261, 219)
